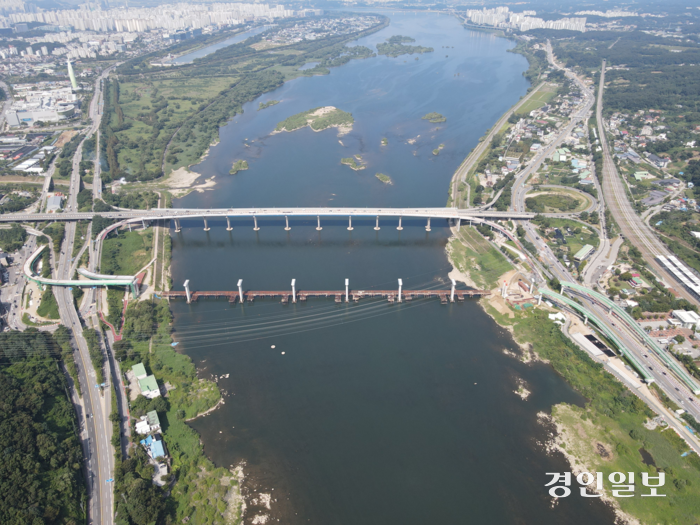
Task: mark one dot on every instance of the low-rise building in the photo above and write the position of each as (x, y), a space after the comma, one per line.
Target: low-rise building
(583, 252)
(149, 387)
(687, 319)
(54, 203)
(139, 371)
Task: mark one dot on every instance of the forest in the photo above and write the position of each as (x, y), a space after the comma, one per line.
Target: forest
(41, 479)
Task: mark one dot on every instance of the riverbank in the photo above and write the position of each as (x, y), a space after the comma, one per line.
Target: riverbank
(610, 432)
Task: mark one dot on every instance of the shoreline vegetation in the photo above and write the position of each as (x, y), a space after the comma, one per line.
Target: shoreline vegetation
(239, 165)
(434, 118)
(394, 47)
(352, 163)
(384, 178)
(385, 141)
(267, 104)
(318, 119)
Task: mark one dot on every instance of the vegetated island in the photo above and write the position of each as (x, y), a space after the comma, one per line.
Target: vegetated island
(393, 47)
(434, 118)
(318, 119)
(384, 178)
(436, 151)
(385, 141)
(267, 104)
(352, 163)
(239, 165)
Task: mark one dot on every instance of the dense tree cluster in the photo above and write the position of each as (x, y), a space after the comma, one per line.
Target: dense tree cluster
(41, 469)
(13, 238)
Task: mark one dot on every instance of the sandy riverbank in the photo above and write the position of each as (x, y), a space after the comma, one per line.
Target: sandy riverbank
(182, 181)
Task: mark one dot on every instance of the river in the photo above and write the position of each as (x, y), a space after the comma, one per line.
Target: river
(367, 413)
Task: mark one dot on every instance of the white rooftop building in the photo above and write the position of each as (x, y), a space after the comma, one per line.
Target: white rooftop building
(687, 319)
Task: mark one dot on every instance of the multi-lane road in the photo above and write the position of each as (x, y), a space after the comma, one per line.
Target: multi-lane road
(97, 402)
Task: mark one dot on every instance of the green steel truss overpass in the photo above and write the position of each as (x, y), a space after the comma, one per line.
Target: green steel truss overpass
(94, 279)
(604, 329)
(667, 359)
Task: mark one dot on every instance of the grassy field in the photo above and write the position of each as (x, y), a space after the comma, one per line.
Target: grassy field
(127, 253)
(556, 200)
(537, 100)
(474, 255)
(137, 99)
(48, 308)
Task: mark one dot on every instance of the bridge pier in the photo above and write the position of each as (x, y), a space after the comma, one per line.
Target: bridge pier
(318, 222)
(240, 291)
(376, 228)
(539, 300)
(129, 225)
(427, 226)
(187, 290)
(347, 290)
(350, 228)
(178, 228)
(143, 223)
(206, 226)
(452, 292)
(294, 291)
(255, 220)
(585, 319)
(228, 224)
(286, 220)
(399, 226)
(459, 223)
(400, 286)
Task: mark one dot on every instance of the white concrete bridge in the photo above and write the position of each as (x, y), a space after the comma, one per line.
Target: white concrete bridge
(254, 214)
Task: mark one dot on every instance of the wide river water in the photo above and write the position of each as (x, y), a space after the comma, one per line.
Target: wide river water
(367, 413)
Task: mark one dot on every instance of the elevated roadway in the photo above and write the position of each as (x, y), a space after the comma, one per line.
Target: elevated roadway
(95, 279)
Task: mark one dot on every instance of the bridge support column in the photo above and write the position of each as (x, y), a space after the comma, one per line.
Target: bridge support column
(532, 285)
(539, 300)
(255, 220)
(286, 221)
(206, 226)
(399, 226)
(350, 228)
(561, 290)
(347, 290)
(129, 225)
(452, 292)
(143, 223)
(400, 286)
(187, 290)
(459, 224)
(228, 224)
(376, 227)
(240, 291)
(427, 226)
(294, 290)
(585, 319)
(178, 228)
(318, 222)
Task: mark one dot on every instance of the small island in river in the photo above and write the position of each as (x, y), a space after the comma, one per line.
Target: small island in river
(318, 119)
(434, 118)
(393, 47)
(267, 104)
(352, 163)
(239, 165)
(437, 150)
(384, 178)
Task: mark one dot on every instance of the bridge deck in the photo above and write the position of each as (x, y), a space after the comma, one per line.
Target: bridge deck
(302, 295)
